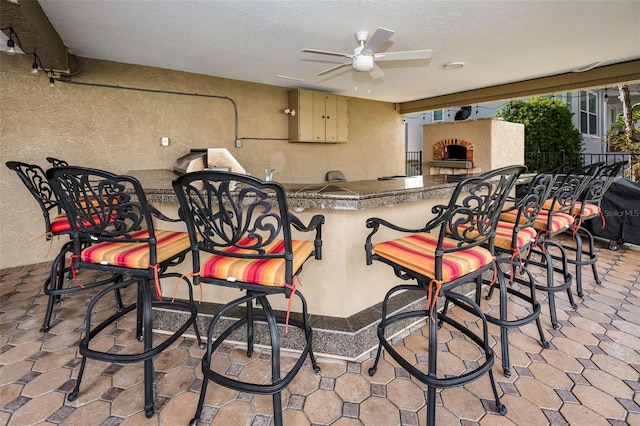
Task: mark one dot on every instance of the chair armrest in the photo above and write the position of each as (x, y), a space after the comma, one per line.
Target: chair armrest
(374, 224)
(315, 223)
(156, 213)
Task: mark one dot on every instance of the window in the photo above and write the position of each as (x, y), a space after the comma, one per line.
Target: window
(588, 113)
(437, 115)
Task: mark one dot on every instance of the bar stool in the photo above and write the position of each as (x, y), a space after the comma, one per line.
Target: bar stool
(113, 230)
(35, 180)
(443, 255)
(586, 208)
(512, 243)
(244, 225)
(555, 218)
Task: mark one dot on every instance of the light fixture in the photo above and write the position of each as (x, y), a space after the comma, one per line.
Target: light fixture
(290, 111)
(11, 47)
(34, 67)
(453, 65)
(37, 63)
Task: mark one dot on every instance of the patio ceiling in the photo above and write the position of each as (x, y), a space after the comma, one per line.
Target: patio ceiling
(502, 43)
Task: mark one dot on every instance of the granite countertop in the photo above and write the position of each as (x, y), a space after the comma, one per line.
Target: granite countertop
(350, 195)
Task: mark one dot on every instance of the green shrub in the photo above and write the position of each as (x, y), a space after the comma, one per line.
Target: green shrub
(547, 127)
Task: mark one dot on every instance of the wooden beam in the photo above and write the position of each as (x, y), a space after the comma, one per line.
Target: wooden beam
(38, 35)
(609, 75)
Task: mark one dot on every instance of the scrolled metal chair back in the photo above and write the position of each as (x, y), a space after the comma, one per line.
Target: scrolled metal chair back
(226, 210)
(472, 215)
(533, 201)
(56, 162)
(570, 187)
(35, 179)
(100, 205)
(602, 181)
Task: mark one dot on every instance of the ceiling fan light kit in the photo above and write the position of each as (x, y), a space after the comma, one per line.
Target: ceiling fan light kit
(366, 54)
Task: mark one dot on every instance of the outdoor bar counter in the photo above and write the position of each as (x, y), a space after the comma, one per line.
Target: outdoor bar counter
(342, 292)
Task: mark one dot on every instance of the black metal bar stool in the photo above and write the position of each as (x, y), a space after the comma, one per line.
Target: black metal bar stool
(35, 180)
(512, 243)
(555, 218)
(587, 207)
(440, 257)
(244, 226)
(113, 230)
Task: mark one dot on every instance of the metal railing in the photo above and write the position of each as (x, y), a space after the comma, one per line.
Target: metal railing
(413, 165)
(541, 161)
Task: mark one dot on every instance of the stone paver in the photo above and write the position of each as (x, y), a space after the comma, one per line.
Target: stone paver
(588, 376)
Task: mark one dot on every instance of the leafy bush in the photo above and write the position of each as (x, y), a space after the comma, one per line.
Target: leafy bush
(547, 127)
(618, 140)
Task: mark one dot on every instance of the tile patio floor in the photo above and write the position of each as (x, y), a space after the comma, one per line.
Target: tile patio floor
(589, 376)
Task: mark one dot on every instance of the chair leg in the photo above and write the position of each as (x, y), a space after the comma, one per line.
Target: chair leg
(308, 332)
(432, 367)
(504, 329)
(139, 316)
(144, 305)
(54, 282)
(74, 393)
(249, 314)
(203, 392)
(275, 357)
(578, 262)
(383, 325)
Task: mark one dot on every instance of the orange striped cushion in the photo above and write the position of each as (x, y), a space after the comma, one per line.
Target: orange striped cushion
(559, 220)
(589, 209)
(504, 235)
(60, 224)
(270, 272)
(547, 204)
(417, 253)
(136, 255)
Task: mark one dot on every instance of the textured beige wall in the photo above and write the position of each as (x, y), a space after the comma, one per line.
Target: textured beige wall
(120, 130)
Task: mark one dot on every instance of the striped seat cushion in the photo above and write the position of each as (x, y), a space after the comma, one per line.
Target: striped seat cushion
(559, 221)
(504, 235)
(590, 210)
(136, 255)
(417, 253)
(60, 224)
(269, 272)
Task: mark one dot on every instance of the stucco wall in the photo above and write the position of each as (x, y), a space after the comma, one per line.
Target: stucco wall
(120, 130)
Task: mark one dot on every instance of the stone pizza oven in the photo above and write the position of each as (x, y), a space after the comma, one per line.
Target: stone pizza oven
(471, 146)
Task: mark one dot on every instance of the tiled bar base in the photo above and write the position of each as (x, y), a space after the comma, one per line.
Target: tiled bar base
(345, 338)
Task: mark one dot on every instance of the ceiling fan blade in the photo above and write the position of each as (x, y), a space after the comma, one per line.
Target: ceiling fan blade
(334, 68)
(376, 41)
(376, 72)
(407, 55)
(326, 52)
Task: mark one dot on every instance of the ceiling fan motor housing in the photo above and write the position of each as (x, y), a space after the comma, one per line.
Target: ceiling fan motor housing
(360, 62)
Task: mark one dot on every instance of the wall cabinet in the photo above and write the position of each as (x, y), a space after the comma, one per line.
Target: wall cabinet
(320, 117)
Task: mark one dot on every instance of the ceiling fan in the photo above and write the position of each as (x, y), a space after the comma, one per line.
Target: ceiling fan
(365, 56)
